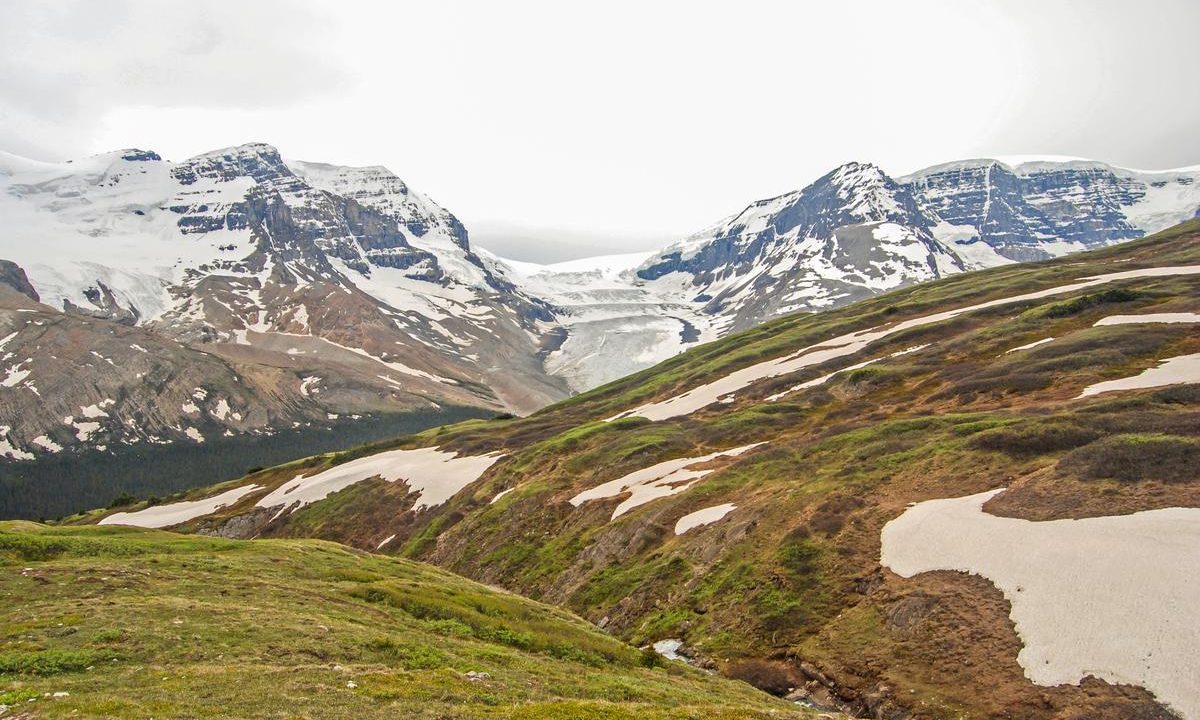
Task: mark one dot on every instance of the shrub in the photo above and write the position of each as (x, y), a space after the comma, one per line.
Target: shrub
(1179, 395)
(16, 697)
(48, 662)
(1021, 382)
(1077, 305)
(452, 627)
(831, 514)
(32, 547)
(977, 426)
(869, 376)
(649, 658)
(1133, 458)
(799, 558)
(108, 635)
(123, 500)
(1033, 439)
(408, 657)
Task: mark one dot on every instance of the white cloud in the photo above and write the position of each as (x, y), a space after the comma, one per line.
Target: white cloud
(65, 65)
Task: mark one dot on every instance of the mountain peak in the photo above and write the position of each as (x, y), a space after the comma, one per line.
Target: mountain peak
(256, 160)
(866, 191)
(137, 155)
(856, 168)
(250, 149)
(857, 174)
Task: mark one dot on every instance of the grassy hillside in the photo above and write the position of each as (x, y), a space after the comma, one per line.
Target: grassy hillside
(139, 624)
(788, 590)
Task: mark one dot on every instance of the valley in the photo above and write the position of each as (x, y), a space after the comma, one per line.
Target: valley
(732, 502)
(599, 361)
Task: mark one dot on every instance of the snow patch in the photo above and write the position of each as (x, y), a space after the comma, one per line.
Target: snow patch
(15, 374)
(161, 516)
(1182, 317)
(1181, 370)
(433, 474)
(222, 411)
(657, 481)
(95, 410)
(1112, 597)
(46, 443)
(707, 516)
(7, 449)
(84, 430)
(1029, 346)
(308, 385)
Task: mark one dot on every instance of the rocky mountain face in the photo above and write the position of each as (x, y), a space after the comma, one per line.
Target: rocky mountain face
(292, 292)
(1036, 210)
(827, 505)
(852, 233)
(153, 302)
(857, 231)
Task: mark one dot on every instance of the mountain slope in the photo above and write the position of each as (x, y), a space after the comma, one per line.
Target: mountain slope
(1069, 384)
(190, 627)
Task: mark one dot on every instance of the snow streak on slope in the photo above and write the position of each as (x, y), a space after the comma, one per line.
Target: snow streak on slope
(1181, 370)
(707, 516)
(161, 516)
(434, 475)
(657, 481)
(1169, 318)
(726, 388)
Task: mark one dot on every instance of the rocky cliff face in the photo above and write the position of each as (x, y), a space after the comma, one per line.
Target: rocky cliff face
(1037, 210)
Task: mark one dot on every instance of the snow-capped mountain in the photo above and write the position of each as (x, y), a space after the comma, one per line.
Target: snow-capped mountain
(851, 233)
(139, 291)
(854, 232)
(286, 293)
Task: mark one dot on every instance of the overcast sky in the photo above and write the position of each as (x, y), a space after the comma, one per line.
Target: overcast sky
(556, 130)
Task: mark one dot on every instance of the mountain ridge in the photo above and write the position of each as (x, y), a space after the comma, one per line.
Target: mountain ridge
(297, 295)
